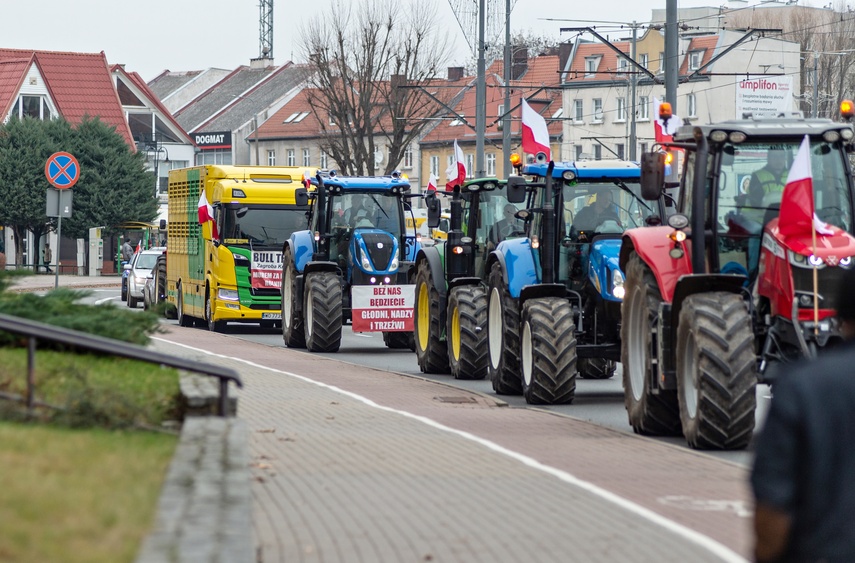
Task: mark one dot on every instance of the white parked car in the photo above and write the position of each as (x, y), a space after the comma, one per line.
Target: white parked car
(139, 269)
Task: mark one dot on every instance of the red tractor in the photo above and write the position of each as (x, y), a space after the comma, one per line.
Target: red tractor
(720, 298)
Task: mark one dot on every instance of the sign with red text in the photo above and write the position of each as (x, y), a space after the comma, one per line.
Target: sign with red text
(764, 95)
(382, 308)
(266, 269)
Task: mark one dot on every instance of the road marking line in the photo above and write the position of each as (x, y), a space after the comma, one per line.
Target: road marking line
(693, 536)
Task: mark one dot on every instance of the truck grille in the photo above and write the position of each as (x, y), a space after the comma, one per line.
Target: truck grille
(828, 280)
(380, 257)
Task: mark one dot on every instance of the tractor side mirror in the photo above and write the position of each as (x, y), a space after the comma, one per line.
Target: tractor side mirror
(652, 175)
(434, 210)
(162, 225)
(516, 189)
(301, 196)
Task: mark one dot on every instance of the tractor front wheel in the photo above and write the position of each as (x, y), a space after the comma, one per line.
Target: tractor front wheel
(503, 336)
(431, 350)
(548, 352)
(466, 332)
(323, 312)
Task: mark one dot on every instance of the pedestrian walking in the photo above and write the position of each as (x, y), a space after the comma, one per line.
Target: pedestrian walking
(804, 464)
(127, 251)
(47, 256)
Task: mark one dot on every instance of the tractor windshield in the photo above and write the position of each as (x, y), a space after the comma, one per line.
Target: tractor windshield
(352, 211)
(751, 183)
(603, 208)
(259, 225)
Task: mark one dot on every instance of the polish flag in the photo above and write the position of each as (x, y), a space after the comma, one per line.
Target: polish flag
(206, 213)
(139, 247)
(456, 171)
(432, 181)
(663, 133)
(535, 134)
(797, 216)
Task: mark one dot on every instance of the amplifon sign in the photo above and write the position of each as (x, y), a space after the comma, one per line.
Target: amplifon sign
(764, 95)
(213, 140)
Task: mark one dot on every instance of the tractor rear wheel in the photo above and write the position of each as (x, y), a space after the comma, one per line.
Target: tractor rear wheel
(649, 413)
(323, 312)
(466, 332)
(431, 350)
(716, 371)
(503, 336)
(548, 352)
(596, 368)
(292, 318)
(399, 340)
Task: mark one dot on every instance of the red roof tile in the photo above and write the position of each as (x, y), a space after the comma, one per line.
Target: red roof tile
(706, 44)
(607, 64)
(79, 84)
(12, 73)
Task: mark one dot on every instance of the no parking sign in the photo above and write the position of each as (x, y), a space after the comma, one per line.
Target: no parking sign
(62, 170)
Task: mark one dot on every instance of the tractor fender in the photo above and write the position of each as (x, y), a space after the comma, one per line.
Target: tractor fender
(434, 261)
(302, 245)
(458, 282)
(319, 266)
(541, 290)
(602, 260)
(653, 246)
(517, 262)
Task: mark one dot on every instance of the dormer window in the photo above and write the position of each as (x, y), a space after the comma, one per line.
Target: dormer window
(695, 59)
(622, 65)
(32, 106)
(591, 64)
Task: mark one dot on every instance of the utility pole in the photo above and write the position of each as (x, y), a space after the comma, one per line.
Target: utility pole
(257, 162)
(813, 108)
(633, 97)
(481, 93)
(506, 120)
(671, 54)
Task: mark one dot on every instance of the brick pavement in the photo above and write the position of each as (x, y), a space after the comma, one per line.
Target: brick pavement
(354, 464)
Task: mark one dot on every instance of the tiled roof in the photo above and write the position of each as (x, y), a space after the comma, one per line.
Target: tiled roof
(217, 97)
(257, 100)
(706, 44)
(12, 73)
(541, 70)
(79, 84)
(168, 82)
(607, 64)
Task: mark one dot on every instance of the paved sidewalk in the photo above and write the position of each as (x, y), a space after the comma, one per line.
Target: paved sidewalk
(354, 464)
(46, 282)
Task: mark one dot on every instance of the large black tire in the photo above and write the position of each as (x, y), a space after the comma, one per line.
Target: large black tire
(292, 318)
(399, 341)
(467, 332)
(183, 319)
(213, 326)
(431, 349)
(503, 336)
(548, 352)
(596, 368)
(649, 413)
(716, 371)
(322, 308)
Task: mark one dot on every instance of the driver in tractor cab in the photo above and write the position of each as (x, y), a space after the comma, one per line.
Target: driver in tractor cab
(767, 184)
(594, 214)
(506, 226)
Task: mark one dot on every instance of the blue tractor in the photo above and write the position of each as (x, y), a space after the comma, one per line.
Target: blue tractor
(555, 296)
(356, 247)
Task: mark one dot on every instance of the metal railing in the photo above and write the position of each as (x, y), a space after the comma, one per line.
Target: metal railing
(35, 331)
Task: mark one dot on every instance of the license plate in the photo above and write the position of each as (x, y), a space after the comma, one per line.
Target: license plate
(272, 316)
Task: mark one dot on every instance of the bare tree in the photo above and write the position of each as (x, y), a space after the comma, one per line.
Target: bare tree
(827, 42)
(371, 62)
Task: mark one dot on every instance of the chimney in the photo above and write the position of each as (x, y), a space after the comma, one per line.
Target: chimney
(564, 51)
(520, 62)
(455, 73)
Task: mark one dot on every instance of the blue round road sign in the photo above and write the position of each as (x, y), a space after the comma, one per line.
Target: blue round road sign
(62, 170)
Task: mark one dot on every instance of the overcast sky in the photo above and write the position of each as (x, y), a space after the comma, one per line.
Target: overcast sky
(150, 36)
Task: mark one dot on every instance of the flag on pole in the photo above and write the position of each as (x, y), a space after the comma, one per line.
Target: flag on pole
(432, 182)
(663, 132)
(206, 213)
(535, 134)
(797, 216)
(456, 171)
(139, 247)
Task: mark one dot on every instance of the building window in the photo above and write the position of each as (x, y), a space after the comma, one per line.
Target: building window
(32, 106)
(598, 152)
(271, 158)
(307, 157)
(408, 157)
(692, 106)
(622, 65)
(434, 165)
(501, 111)
(578, 152)
(578, 111)
(643, 107)
(643, 147)
(292, 160)
(621, 109)
(695, 60)
(323, 160)
(619, 150)
(470, 167)
(661, 62)
(598, 110)
(491, 164)
(643, 59)
(591, 65)
(215, 156)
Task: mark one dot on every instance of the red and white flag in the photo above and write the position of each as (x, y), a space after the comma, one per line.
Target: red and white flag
(663, 132)
(797, 216)
(456, 171)
(432, 181)
(535, 134)
(139, 247)
(206, 213)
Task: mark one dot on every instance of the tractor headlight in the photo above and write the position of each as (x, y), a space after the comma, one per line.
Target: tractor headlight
(617, 284)
(394, 265)
(802, 261)
(227, 294)
(805, 300)
(365, 260)
(846, 262)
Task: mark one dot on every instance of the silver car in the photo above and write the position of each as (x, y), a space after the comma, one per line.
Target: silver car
(139, 270)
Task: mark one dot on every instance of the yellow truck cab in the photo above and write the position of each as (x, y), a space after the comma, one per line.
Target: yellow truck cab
(226, 230)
